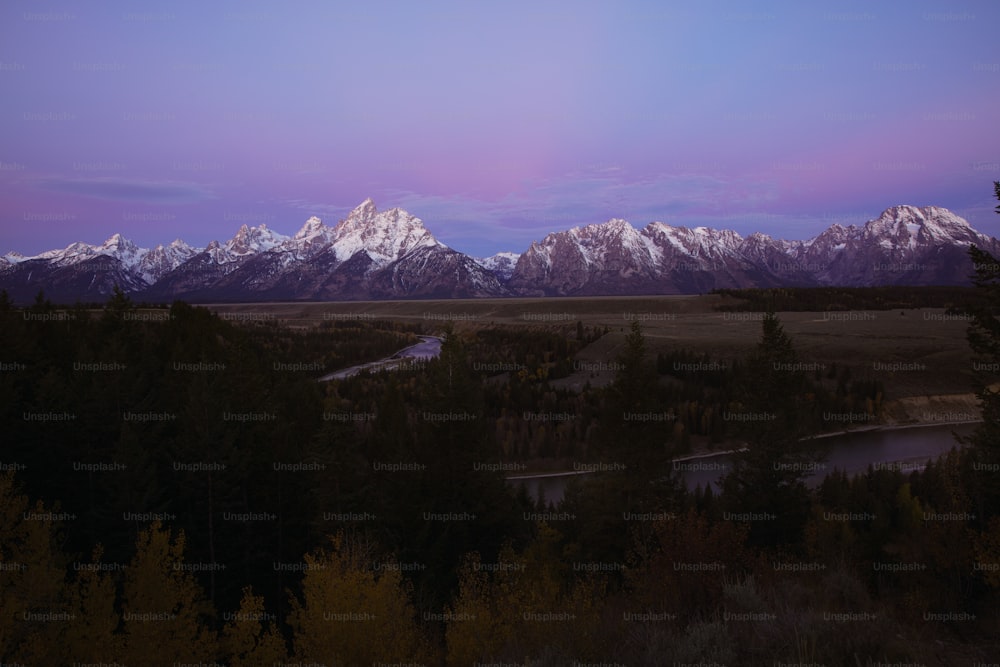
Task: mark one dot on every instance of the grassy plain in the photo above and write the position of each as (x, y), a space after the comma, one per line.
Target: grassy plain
(916, 352)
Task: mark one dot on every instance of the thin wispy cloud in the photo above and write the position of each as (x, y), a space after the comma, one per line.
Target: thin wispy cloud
(128, 190)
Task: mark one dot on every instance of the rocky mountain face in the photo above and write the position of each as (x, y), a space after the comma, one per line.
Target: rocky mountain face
(89, 272)
(391, 255)
(501, 264)
(905, 245)
(367, 255)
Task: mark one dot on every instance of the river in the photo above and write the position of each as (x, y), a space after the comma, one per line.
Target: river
(906, 449)
(428, 348)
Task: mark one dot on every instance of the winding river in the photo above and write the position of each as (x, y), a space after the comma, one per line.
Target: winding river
(428, 348)
(906, 449)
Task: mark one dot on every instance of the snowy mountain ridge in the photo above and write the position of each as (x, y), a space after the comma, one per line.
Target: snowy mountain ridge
(373, 254)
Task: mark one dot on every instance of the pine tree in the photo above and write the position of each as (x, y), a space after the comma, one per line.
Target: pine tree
(639, 426)
(119, 304)
(767, 479)
(984, 338)
(635, 381)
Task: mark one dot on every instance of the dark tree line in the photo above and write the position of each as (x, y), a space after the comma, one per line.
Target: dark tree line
(821, 299)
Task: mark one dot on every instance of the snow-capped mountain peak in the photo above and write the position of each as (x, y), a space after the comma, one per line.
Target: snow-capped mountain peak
(365, 210)
(124, 250)
(118, 241)
(694, 242)
(617, 225)
(313, 227)
(385, 236)
(909, 226)
(250, 240)
(311, 239)
(500, 264)
(162, 259)
(116, 246)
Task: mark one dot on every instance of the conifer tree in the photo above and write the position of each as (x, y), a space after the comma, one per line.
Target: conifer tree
(766, 483)
(639, 426)
(984, 338)
(636, 434)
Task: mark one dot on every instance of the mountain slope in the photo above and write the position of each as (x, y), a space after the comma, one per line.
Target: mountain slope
(83, 272)
(373, 254)
(500, 265)
(905, 245)
(367, 255)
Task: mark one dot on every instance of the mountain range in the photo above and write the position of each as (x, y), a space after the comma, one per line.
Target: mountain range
(374, 254)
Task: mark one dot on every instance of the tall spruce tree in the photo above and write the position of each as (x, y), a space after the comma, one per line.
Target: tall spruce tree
(642, 428)
(984, 338)
(766, 484)
(636, 448)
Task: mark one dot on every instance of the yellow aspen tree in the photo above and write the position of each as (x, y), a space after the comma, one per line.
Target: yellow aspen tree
(353, 614)
(33, 614)
(247, 641)
(520, 608)
(164, 609)
(474, 631)
(92, 635)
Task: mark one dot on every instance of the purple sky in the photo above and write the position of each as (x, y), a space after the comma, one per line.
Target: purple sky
(493, 122)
